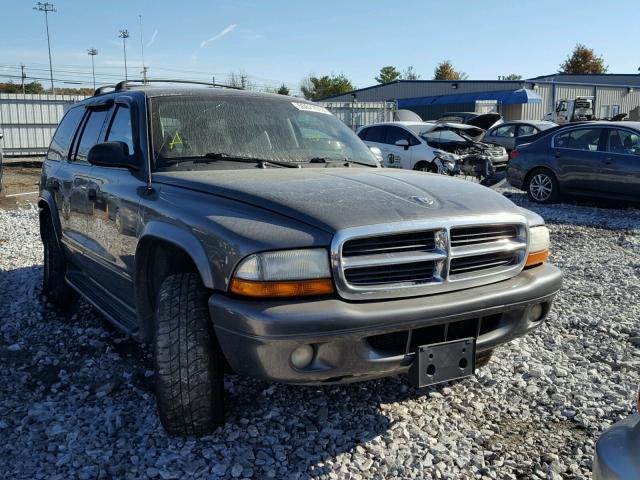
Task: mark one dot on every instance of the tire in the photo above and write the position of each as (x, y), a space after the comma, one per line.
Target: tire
(482, 359)
(542, 186)
(425, 167)
(189, 363)
(54, 284)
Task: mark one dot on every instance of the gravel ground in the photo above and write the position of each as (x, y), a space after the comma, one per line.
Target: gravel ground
(77, 398)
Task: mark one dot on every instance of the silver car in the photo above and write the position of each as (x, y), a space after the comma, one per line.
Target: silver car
(618, 450)
(506, 133)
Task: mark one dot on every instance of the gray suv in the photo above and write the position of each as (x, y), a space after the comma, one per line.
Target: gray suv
(256, 234)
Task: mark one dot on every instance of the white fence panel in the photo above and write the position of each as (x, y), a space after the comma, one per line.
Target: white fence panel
(358, 114)
(28, 121)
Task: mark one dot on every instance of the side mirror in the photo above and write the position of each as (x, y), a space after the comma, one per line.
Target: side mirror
(402, 143)
(112, 154)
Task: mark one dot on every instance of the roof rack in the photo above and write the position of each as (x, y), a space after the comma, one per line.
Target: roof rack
(127, 83)
(102, 89)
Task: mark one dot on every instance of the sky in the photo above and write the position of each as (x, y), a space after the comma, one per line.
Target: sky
(277, 42)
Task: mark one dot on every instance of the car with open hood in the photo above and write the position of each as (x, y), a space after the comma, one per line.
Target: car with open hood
(434, 147)
(255, 233)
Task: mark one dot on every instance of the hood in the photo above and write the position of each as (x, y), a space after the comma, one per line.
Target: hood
(335, 198)
(485, 121)
(470, 130)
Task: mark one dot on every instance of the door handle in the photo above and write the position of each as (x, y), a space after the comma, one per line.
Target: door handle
(557, 154)
(91, 193)
(55, 185)
(607, 161)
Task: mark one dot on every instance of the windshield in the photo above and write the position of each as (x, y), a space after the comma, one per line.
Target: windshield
(439, 137)
(188, 127)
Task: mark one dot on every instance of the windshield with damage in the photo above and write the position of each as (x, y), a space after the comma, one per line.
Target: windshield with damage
(216, 131)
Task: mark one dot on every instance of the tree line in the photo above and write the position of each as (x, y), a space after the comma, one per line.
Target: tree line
(313, 87)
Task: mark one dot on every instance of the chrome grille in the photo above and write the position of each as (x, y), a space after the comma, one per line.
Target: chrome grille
(473, 235)
(496, 152)
(420, 258)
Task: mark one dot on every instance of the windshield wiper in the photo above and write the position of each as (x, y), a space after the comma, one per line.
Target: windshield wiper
(215, 156)
(344, 161)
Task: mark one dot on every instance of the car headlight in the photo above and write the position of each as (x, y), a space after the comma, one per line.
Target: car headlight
(284, 273)
(539, 244)
(446, 156)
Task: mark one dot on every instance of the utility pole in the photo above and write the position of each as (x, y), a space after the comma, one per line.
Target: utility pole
(22, 76)
(144, 74)
(124, 34)
(46, 8)
(93, 52)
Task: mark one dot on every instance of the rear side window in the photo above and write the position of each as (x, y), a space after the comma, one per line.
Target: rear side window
(120, 130)
(583, 139)
(59, 148)
(91, 132)
(526, 130)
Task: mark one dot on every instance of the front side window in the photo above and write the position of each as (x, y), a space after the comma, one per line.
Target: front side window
(581, 139)
(524, 130)
(624, 142)
(396, 133)
(199, 126)
(61, 142)
(508, 131)
(121, 130)
(91, 132)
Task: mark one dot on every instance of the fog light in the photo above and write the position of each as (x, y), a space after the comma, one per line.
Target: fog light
(302, 356)
(535, 313)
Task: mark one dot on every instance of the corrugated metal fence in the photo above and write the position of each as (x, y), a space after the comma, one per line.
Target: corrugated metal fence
(29, 121)
(357, 114)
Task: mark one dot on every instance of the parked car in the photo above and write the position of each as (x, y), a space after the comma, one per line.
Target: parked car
(430, 147)
(263, 238)
(481, 120)
(594, 159)
(617, 454)
(506, 133)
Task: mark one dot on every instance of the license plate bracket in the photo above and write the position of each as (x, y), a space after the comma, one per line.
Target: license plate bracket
(442, 362)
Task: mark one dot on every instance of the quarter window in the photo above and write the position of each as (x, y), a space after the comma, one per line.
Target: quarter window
(59, 148)
(91, 132)
(120, 130)
(582, 139)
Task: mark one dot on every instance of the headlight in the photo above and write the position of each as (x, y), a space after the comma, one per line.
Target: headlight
(449, 157)
(538, 246)
(284, 273)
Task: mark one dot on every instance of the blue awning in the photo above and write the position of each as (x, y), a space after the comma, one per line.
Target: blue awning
(504, 97)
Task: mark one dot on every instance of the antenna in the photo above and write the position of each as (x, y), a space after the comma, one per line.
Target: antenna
(144, 69)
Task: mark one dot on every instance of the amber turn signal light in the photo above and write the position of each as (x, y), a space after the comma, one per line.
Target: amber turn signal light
(291, 288)
(536, 258)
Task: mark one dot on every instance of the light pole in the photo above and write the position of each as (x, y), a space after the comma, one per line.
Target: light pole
(124, 34)
(93, 52)
(46, 8)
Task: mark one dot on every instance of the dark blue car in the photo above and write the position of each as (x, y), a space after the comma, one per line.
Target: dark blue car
(594, 159)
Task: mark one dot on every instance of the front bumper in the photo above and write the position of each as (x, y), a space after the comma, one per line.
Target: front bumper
(258, 337)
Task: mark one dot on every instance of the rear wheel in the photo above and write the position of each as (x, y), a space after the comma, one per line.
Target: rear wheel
(54, 284)
(542, 186)
(189, 363)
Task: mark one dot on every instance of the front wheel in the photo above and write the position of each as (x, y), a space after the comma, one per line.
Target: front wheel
(54, 283)
(429, 167)
(542, 186)
(189, 363)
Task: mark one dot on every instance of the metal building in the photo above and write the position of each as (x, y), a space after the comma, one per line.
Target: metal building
(523, 99)
(28, 121)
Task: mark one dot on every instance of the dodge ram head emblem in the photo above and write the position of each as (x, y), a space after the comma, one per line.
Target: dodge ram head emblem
(425, 200)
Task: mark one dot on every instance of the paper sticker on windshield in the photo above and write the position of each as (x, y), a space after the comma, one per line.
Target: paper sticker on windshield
(310, 107)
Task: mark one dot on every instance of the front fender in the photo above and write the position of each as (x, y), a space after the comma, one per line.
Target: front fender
(183, 239)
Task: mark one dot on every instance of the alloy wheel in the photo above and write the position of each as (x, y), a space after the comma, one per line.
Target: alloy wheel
(541, 187)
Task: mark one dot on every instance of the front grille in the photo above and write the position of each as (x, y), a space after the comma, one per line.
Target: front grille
(496, 152)
(404, 242)
(400, 260)
(395, 273)
(475, 263)
(484, 234)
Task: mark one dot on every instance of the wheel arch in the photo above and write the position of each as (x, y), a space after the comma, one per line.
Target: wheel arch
(164, 249)
(47, 208)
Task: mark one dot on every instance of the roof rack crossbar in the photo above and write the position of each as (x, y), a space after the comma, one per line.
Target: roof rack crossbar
(123, 85)
(102, 89)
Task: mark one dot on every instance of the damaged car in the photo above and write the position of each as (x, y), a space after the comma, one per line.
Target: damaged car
(447, 148)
